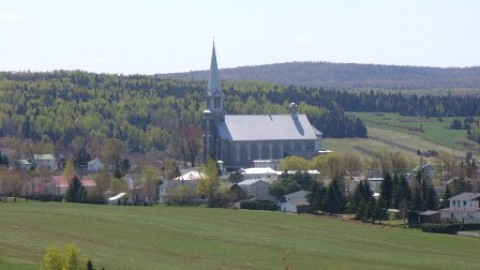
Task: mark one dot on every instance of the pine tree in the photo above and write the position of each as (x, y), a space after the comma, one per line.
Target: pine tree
(401, 191)
(444, 203)
(90, 265)
(416, 199)
(316, 195)
(386, 189)
(380, 211)
(369, 208)
(76, 192)
(429, 198)
(334, 202)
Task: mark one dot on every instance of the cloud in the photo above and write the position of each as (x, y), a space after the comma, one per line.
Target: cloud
(300, 40)
(9, 17)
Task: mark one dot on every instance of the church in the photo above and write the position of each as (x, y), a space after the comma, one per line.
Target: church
(242, 140)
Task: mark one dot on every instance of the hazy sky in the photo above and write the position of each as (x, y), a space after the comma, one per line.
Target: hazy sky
(161, 36)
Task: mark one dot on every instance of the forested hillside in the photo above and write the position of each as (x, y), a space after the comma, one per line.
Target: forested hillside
(74, 109)
(349, 76)
(79, 110)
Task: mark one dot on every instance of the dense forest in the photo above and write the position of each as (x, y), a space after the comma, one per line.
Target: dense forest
(75, 109)
(349, 76)
(72, 108)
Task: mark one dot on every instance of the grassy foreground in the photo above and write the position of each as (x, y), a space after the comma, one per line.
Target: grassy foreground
(199, 238)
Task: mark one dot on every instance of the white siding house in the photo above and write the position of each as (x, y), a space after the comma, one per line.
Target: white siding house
(45, 160)
(464, 208)
(295, 202)
(94, 165)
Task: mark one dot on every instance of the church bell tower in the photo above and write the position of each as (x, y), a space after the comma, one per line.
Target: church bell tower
(214, 113)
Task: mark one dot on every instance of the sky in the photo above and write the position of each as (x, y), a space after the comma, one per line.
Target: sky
(163, 36)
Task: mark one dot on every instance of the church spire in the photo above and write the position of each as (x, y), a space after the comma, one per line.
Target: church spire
(214, 79)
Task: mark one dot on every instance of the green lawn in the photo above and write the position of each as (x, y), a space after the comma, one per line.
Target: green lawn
(433, 130)
(393, 132)
(200, 238)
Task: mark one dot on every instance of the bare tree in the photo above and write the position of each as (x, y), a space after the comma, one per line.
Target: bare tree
(186, 142)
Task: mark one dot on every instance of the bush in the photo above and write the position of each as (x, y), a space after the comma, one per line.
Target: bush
(258, 205)
(440, 228)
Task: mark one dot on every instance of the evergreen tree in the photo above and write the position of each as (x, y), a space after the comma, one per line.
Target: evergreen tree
(333, 201)
(369, 209)
(380, 211)
(429, 197)
(359, 201)
(316, 195)
(416, 199)
(386, 189)
(90, 265)
(76, 192)
(447, 195)
(401, 190)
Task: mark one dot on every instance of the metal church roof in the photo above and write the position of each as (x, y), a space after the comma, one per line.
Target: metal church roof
(267, 128)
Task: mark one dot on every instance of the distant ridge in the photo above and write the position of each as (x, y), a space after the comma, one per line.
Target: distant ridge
(348, 76)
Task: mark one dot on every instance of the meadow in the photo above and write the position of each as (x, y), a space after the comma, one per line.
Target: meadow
(126, 237)
(393, 132)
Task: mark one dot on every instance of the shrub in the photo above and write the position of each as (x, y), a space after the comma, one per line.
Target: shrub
(258, 205)
(440, 228)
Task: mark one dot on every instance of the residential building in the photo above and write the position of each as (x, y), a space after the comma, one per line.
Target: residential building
(45, 160)
(464, 208)
(256, 188)
(94, 165)
(295, 202)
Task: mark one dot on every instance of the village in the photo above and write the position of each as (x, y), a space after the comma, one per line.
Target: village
(261, 162)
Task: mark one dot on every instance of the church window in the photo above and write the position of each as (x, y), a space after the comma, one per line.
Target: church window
(237, 153)
(216, 102)
(249, 152)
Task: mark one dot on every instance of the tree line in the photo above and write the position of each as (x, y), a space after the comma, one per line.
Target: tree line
(349, 76)
(74, 109)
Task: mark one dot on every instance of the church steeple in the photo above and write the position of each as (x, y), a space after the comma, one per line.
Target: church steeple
(214, 79)
(214, 91)
(214, 113)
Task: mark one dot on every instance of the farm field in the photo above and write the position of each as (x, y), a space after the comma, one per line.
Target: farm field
(393, 132)
(159, 237)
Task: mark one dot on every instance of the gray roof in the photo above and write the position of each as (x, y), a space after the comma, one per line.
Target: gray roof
(267, 127)
(466, 196)
(298, 194)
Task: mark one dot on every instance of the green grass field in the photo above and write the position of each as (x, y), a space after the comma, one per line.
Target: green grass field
(393, 132)
(199, 238)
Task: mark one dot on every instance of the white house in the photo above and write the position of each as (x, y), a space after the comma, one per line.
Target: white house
(295, 202)
(25, 165)
(464, 208)
(94, 165)
(45, 160)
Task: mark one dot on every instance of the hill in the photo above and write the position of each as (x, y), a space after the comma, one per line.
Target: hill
(199, 238)
(348, 76)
